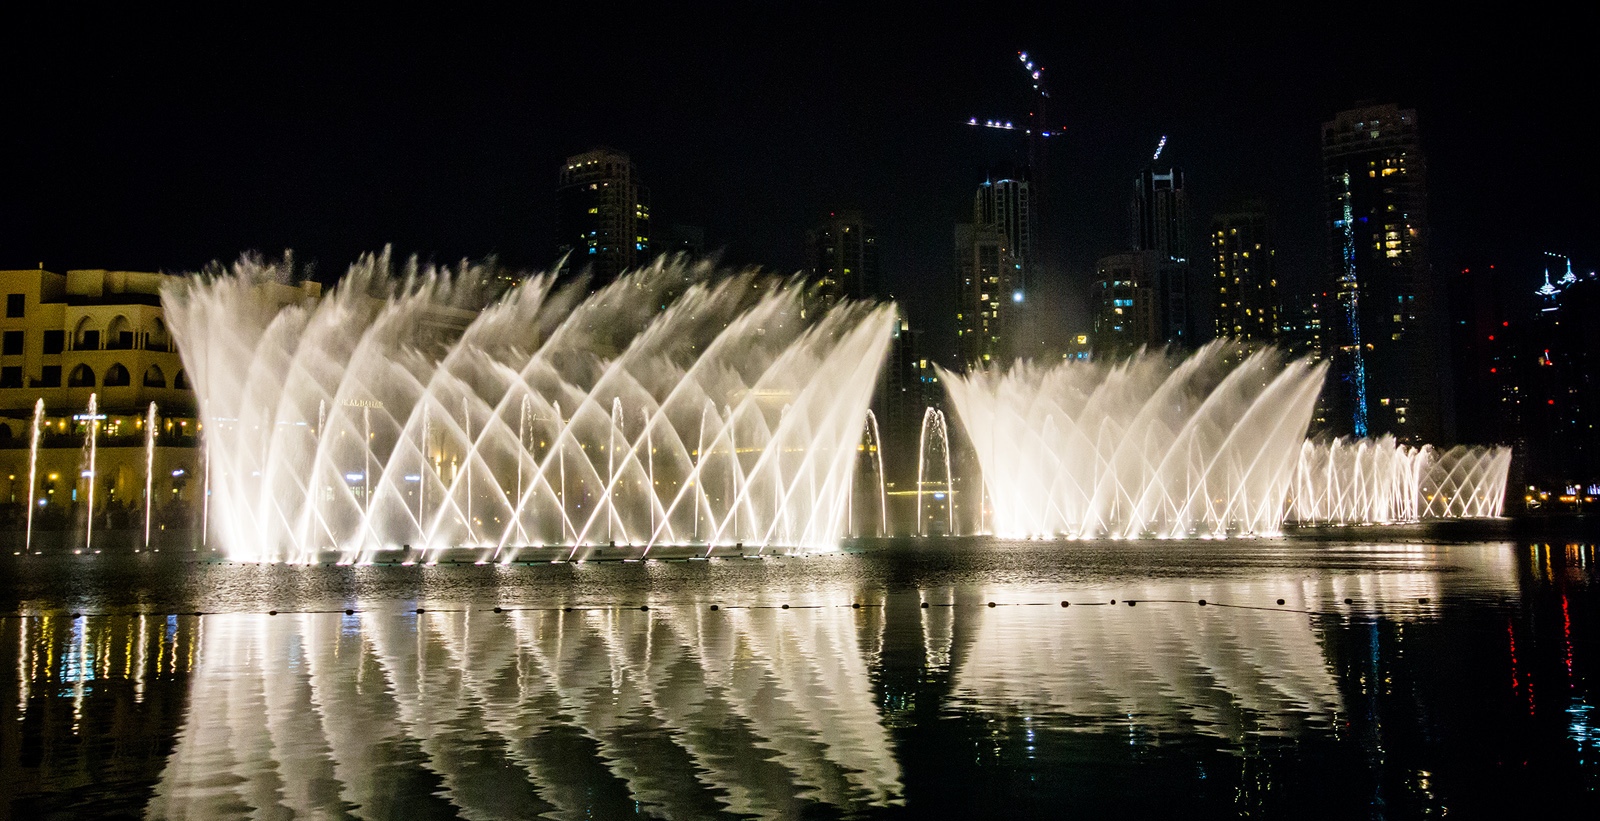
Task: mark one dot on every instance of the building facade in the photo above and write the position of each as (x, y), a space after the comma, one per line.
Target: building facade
(1387, 328)
(1159, 215)
(1124, 304)
(843, 254)
(987, 301)
(603, 218)
(1244, 278)
(101, 334)
(86, 362)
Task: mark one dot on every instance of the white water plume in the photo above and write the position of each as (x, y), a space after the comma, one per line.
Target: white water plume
(1150, 446)
(677, 405)
(1381, 480)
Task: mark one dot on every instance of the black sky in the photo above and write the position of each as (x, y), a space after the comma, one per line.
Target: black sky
(163, 144)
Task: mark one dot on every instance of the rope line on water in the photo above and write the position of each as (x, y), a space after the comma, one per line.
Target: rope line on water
(1279, 607)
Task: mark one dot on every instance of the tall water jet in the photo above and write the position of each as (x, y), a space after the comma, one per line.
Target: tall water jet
(935, 434)
(149, 467)
(441, 376)
(1376, 481)
(91, 449)
(875, 438)
(1151, 446)
(33, 467)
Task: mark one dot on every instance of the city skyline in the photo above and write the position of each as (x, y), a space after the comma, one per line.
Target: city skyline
(335, 140)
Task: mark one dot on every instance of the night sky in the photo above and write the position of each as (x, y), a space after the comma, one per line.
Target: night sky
(141, 143)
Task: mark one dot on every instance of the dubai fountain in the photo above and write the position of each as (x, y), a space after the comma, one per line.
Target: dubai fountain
(674, 407)
(1205, 446)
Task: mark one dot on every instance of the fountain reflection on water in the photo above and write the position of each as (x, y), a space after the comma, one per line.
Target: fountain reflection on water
(662, 410)
(534, 713)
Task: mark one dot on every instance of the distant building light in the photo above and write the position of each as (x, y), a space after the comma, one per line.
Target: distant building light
(178, 472)
(353, 477)
(1016, 296)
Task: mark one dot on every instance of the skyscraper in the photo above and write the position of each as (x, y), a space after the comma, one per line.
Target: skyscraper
(843, 250)
(1389, 372)
(1007, 204)
(994, 258)
(1244, 273)
(1123, 301)
(1160, 224)
(604, 215)
(985, 272)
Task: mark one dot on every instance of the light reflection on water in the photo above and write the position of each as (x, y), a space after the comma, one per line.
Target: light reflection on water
(825, 708)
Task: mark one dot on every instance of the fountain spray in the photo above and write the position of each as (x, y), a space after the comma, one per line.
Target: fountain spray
(33, 467)
(149, 467)
(92, 444)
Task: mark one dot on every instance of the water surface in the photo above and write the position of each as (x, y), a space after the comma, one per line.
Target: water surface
(1402, 675)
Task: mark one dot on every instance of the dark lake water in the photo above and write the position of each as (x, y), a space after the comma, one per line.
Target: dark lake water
(1402, 675)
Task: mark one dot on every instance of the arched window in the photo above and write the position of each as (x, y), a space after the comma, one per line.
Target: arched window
(181, 381)
(153, 378)
(119, 334)
(155, 335)
(81, 376)
(86, 337)
(117, 377)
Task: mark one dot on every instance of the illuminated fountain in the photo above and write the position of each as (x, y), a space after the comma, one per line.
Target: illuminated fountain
(1381, 481)
(1154, 446)
(665, 409)
(1150, 446)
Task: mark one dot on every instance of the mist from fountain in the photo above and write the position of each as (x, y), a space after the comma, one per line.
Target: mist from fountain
(1149, 446)
(677, 405)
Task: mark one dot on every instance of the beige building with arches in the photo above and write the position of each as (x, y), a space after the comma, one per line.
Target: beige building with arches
(63, 338)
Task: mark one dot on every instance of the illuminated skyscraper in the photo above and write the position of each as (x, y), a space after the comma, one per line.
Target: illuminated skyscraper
(1244, 274)
(1008, 205)
(604, 215)
(1123, 301)
(1160, 223)
(993, 262)
(844, 258)
(986, 271)
(1389, 371)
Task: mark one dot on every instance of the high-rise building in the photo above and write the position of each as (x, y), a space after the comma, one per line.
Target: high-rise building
(1124, 304)
(1160, 224)
(1007, 204)
(843, 251)
(986, 272)
(1387, 332)
(1244, 276)
(994, 259)
(603, 223)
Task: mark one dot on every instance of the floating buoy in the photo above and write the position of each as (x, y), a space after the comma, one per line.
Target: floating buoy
(1202, 602)
(1066, 604)
(1280, 601)
(349, 612)
(644, 607)
(272, 612)
(991, 604)
(498, 610)
(786, 607)
(713, 607)
(924, 605)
